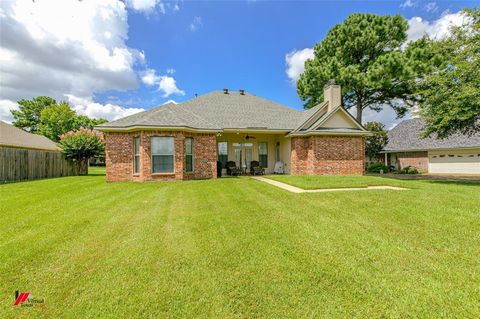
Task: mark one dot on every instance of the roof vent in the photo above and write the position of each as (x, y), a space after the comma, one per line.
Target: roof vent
(225, 91)
(242, 92)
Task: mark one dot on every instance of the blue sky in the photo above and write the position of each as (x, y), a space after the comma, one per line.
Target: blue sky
(188, 47)
(242, 44)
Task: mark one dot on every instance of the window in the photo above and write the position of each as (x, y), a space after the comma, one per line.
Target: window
(277, 152)
(136, 155)
(263, 154)
(189, 154)
(162, 154)
(223, 154)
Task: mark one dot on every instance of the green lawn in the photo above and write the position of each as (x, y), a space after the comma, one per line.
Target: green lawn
(239, 248)
(319, 182)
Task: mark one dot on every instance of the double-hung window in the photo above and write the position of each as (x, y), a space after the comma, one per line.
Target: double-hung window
(223, 153)
(136, 155)
(163, 149)
(263, 154)
(189, 154)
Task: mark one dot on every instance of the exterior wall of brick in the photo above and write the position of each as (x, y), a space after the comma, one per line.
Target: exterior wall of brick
(419, 160)
(119, 156)
(327, 155)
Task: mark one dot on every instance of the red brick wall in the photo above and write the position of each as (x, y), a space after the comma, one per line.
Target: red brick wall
(419, 160)
(119, 156)
(327, 155)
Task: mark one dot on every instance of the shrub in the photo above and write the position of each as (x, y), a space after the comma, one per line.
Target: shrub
(408, 170)
(81, 145)
(377, 167)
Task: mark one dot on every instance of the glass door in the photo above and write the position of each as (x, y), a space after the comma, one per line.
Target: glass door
(243, 155)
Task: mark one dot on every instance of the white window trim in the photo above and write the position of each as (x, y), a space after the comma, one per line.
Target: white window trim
(151, 156)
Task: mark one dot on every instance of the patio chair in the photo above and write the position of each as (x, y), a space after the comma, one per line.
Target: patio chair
(256, 169)
(232, 169)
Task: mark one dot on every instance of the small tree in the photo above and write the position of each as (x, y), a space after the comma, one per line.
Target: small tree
(81, 145)
(375, 143)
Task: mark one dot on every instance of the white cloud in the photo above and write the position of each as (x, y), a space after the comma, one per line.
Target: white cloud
(170, 71)
(86, 106)
(437, 29)
(431, 7)
(149, 77)
(57, 48)
(165, 83)
(196, 23)
(176, 7)
(386, 116)
(408, 4)
(5, 107)
(295, 62)
(145, 6)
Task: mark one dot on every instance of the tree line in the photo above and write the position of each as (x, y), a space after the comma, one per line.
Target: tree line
(59, 122)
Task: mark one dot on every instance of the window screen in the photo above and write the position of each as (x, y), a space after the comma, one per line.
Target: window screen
(162, 154)
(263, 154)
(136, 155)
(189, 154)
(223, 153)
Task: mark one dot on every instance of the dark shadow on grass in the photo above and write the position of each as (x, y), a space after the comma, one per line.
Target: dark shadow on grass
(450, 182)
(428, 179)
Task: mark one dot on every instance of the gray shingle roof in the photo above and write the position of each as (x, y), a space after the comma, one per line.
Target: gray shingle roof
(216, 111)
(406, 137)
(12, 136)
(167, 115)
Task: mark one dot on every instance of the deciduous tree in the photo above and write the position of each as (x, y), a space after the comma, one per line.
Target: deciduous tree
(375, 143)
(56, 120)
(449, 91)
(82, 145)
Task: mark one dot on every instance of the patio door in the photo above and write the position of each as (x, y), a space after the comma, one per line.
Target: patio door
(243, 155)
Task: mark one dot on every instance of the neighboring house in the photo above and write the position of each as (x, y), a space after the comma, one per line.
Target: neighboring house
(458, 154)
(26, 156)
(184, 141)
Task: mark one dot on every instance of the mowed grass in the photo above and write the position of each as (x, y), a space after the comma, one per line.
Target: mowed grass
(333, 181)
(238, 248)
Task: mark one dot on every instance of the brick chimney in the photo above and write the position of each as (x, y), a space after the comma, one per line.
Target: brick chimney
(332, 93)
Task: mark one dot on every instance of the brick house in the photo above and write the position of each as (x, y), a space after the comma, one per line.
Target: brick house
(185, 141)
(456, 154)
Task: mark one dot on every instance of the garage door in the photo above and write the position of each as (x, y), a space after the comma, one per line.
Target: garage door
(449, 162)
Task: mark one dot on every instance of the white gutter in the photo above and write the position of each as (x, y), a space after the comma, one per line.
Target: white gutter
(431, 149)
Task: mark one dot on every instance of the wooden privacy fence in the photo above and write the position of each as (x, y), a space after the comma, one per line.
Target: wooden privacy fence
(18, 164)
